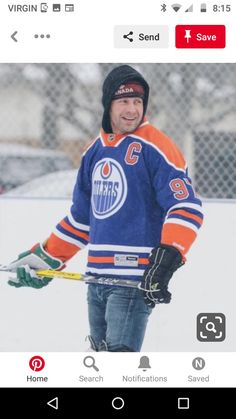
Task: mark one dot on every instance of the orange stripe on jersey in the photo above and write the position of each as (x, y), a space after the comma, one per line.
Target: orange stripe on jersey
(110, 259)
(60, 248)
(178, 236)
(74, 231)
(95, 259)
(143, 261)
(163, 143)
(188, 215)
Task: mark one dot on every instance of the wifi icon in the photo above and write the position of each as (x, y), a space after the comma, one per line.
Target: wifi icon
(176, 7)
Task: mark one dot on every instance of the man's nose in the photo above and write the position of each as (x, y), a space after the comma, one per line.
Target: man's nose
(131, 108)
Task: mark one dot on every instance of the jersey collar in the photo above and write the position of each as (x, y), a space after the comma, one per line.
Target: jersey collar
(113, 140)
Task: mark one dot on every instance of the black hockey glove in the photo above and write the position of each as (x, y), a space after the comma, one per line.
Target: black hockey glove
(163, 262)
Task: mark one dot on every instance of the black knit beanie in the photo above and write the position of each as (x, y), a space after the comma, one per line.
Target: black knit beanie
(118, 76)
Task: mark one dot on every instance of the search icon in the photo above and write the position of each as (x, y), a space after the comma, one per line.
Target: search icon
(210, 326)
(89, 362)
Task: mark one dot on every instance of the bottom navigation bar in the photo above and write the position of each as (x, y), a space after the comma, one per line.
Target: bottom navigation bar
(122, 402)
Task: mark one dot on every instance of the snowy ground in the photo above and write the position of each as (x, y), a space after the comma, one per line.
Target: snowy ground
(55, 318)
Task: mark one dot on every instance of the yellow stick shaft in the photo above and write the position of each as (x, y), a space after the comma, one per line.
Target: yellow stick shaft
(61, 274)
(89, 279)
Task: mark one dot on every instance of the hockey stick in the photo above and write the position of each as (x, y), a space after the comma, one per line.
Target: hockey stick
(89, 279)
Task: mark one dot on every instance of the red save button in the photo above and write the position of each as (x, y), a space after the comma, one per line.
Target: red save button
(200, 36)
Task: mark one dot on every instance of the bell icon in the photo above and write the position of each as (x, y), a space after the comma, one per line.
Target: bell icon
(144, 363)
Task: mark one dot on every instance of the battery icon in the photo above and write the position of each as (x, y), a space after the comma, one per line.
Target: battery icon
(203, 7)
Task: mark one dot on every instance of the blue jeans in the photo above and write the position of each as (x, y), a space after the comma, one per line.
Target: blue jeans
(118, 317)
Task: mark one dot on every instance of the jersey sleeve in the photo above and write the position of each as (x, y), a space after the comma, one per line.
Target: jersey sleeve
(71, 234)
(182, 209)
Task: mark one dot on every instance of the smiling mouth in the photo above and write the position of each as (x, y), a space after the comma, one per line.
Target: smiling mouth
(129, 119)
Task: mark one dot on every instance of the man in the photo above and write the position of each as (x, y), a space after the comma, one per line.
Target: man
(133, 204)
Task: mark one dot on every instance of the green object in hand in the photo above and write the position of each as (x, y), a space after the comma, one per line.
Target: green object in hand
(26, 277)
(26, 265)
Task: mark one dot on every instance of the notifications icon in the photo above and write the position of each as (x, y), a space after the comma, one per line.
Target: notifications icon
(89, 362)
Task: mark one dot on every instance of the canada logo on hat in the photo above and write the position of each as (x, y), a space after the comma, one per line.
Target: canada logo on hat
(123, 90)
(129, 89)
(109, 188)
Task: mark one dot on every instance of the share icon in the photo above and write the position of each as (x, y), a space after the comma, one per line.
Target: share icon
(127, 36)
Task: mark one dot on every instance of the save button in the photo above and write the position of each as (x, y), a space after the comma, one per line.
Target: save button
(200, 36)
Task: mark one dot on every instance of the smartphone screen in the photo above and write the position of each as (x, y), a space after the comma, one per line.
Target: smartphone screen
(117, 207)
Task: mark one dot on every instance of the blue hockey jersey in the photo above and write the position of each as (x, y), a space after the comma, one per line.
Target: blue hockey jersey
(132, 192)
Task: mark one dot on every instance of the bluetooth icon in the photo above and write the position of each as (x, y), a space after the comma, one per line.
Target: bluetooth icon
(163, 7)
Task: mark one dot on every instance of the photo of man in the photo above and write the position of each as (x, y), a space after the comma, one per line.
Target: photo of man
(134, 211)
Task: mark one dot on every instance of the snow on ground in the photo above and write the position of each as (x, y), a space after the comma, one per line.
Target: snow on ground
(55, 318)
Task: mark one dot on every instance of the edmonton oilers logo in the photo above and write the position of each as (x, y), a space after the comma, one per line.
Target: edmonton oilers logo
(109, 188)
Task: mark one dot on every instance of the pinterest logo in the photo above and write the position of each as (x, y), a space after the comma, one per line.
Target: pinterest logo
(36, 363)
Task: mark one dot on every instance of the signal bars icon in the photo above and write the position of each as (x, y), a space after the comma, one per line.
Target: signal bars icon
(176, 7)
(189, 9)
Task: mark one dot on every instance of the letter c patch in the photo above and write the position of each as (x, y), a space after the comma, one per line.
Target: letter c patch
(131, 156)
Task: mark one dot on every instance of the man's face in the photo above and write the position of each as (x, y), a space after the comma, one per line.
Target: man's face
(126, 114)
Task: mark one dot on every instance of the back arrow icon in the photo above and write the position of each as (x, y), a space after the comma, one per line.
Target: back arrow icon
(53, 403)
(13, 36)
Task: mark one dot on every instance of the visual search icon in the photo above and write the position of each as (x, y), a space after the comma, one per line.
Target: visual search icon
(211, 327)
